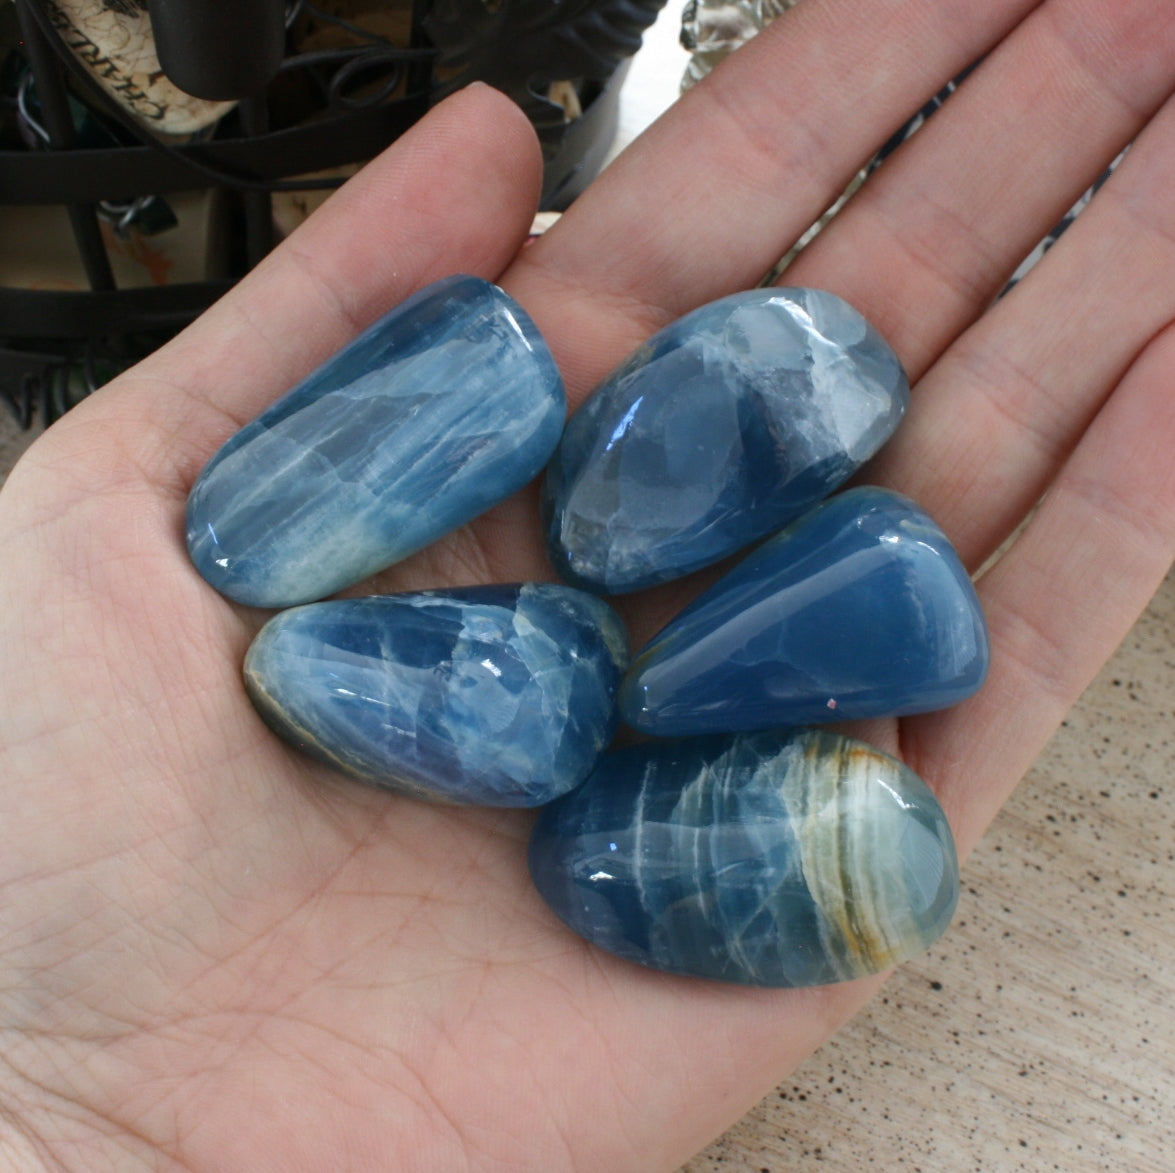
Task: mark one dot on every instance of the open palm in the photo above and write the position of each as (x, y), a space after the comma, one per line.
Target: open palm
(215, 955)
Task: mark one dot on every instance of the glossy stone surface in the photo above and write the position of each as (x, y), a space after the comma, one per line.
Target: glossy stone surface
(445, 406)
(770, 859)
(499, 695)
(722, 428)
(859, 609)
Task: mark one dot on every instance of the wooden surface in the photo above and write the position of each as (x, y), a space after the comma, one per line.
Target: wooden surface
(1038, 1034)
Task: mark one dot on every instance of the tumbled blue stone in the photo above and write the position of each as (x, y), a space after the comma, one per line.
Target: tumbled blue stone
(720, 429)
(859, 609)
(771, 859)
(499, 695)
(445, 406)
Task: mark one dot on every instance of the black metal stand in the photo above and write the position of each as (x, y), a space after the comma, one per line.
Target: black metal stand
(54, 99)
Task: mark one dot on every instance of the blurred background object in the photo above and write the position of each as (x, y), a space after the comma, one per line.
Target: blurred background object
(713, 29)
(151, 155)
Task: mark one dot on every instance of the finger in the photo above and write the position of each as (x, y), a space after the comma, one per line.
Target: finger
(718, 190)
(456, 193)
(935, 234)
(1063, 597)
(994, 420)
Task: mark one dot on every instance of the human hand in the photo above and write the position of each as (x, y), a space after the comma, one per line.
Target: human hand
(218, 956)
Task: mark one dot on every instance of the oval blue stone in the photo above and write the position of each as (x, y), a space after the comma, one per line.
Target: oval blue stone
(859, 609)
(444, 407)
(498, 695)
(720, 429)
(770, 859)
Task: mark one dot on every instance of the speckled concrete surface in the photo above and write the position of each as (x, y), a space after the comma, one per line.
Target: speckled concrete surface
(1038, 1035)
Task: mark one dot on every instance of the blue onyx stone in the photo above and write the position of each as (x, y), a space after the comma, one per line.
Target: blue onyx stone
(498, 696)
(859, 609)
(770, 859)
(719, 430)
(441, 409)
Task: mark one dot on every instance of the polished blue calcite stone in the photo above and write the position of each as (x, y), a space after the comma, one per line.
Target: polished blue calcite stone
(720, 429)
(859, 609)
(770, 859)
(497, 695)
(445, 406)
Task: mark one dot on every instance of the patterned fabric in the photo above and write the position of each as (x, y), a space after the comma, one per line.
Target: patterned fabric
(932, 107)
(713, 29)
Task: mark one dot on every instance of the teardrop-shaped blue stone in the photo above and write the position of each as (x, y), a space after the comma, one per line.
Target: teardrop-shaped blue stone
(859, 609)
(720, 429)
(770, 859)
(497, 695)
(444, 407)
